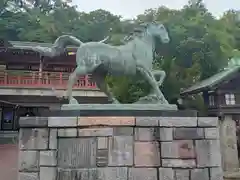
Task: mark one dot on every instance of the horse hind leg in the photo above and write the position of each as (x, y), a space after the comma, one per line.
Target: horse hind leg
(103, 86)
(161, 75)
(79, 71)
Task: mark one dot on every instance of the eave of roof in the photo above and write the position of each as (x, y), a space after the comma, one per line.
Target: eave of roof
(26, 45)
(211, 82)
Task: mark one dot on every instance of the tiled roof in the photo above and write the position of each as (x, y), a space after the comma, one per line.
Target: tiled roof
(212, 82)
(22, 44)
(26, 44)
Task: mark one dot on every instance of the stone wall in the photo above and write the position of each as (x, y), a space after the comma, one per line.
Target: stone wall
(119, 148)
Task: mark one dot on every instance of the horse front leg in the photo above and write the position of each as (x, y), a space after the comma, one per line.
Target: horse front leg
(151, 79)
(159, 74)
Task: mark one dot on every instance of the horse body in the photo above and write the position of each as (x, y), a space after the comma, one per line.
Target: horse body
(100, 59)
(115, 60)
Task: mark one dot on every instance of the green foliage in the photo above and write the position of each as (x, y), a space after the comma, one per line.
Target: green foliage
(200, 45)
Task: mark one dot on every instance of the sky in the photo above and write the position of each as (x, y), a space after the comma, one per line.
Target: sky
(130, 8)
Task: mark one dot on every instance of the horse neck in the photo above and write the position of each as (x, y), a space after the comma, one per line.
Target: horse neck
(147, 42)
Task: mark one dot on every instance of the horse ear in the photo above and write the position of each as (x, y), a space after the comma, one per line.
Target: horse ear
(144, 25)
(137, 30)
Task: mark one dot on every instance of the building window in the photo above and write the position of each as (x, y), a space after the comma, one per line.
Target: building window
(230, 99)
(211, 100)
(8, 117)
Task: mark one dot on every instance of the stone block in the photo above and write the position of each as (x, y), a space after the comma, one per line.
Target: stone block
(182, 174)
(216, 173)
(146, 154)
(83, 174)
(199, 174)
(182, 113)
(166, 134)
(33, 122)
(166, 174)
(102, 142)
(28, 161)
(178, 163)
(82, 148)
(178, 149)
(147, 121)
(188, 133)
(28, 176)
(142, 174)
(123, 131)
(147, 134)
(95, 132)
(53, 138)
(229, 149)
(48, 173)
(102, 157)
(208, 153)
(67, 174)
(33, 139)
(120, 151)
(111, 173)
(67, 132)
(48, 158)
(211, 133)
(178, 121)
(62, 121)
(207, 121)
(111, 121)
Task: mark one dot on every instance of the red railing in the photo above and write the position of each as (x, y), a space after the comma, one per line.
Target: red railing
(58, 80)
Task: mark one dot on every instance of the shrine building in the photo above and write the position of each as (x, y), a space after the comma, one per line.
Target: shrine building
(29, 84)
(221, 94)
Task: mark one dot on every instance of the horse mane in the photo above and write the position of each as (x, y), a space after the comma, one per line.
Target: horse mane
(135, 33)
(141, 28)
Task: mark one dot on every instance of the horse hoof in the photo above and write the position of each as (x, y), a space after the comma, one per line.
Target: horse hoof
(73, 101)
(115, 102)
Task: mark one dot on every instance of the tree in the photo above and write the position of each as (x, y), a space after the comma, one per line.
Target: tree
(200, 45)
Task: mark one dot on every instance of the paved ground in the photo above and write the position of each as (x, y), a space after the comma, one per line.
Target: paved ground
(8, 161)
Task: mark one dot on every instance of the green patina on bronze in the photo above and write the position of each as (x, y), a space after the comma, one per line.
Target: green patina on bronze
(100, 60)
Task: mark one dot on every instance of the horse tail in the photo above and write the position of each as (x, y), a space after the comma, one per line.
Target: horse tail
(104, 40)
(60, 44)
(66, 40)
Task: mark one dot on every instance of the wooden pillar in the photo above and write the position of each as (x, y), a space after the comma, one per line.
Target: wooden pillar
(228, 140)
(40, 70)
(1, 117)
(40, 66)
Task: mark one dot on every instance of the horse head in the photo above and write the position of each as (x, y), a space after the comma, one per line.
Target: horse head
(157, 30)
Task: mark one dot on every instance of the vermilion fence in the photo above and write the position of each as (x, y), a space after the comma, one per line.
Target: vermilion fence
(35, 79)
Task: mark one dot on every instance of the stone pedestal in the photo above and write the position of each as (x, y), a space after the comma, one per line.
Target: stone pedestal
(126, 148)
(229, 149)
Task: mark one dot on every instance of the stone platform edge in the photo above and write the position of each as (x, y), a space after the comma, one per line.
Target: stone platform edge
(78, 121)
(119, 107)
(146, 112)
(157, 148)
